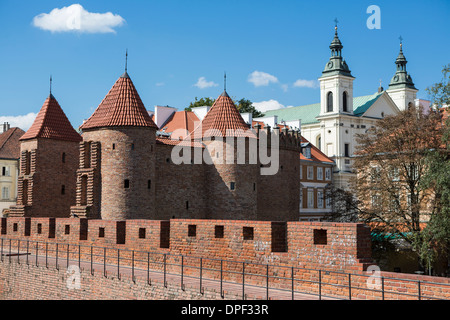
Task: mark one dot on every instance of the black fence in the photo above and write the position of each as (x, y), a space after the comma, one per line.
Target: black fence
(233, 278)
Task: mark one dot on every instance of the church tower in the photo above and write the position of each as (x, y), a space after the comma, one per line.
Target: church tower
(336, 83)
(401, 88)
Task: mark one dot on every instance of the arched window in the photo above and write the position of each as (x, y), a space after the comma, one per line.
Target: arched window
(344, 102)
(319, 142)
(330, 101)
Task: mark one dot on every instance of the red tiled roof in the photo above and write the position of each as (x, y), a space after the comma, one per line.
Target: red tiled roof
(10, 144)
(122, 106)
(184, 120)
(173, 142)
(222, 116)
(316, 154)
(51, 123)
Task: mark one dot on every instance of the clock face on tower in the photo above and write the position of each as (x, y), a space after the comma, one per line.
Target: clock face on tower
(330, 65)
(395, 78)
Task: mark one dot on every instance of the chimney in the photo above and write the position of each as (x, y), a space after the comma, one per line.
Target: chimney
(6, 126)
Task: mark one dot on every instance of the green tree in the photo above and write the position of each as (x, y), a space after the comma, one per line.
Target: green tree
(433, 243)
(206, 101)
(243, 105)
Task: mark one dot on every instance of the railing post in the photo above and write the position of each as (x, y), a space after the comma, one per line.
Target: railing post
(2, 250)
(132, 265)
(267, 282)
(292, 282)
(320, 284)
(165, 282)
(18, 251)
(67, 256)
(36, 253)
(418, 287)
(79, 257)
(92, 270)
(46, 254)
(182, 267)
(243, 280)
(28, 246)
(118, 264)
(10, 250)
(104, 262)
(349, 286)
(201, 274)
(148, 267)
(56, 262)
(221, 278)
(382, 287)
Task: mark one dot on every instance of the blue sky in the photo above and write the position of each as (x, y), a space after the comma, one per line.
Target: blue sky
(173, 44)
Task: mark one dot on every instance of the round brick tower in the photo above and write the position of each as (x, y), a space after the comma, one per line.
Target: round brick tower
(232, 173)
(127, 136)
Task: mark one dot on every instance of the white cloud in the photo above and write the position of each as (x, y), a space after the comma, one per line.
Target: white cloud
(24, 122)
(160, 84)
(271, 104)
(285, 87)
(301, 83)
(75, 18)
(203, 84)
(259, 78)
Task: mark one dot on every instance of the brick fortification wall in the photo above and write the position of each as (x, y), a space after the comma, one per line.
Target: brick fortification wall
(338, 249)
(333, 246)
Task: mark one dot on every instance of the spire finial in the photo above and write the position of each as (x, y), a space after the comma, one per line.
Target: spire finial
(126, 60)
(51, 84)
(401, 42)
(336, 21)
(225, 81)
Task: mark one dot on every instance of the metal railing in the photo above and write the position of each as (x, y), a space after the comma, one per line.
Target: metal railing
(239, 278)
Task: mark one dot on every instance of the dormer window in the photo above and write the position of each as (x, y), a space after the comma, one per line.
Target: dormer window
(306, 150)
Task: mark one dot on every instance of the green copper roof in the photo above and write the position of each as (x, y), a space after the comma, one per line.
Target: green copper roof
(401, 78)
(308, 113)
(336, 65)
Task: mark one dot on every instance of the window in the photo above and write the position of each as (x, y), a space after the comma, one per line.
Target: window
(218, 232)
(232, 185)
(328, 200)
(320, 199)
(346, 150)
(330, 102)
(310, 173)
(67, 229)
(187, 205)
(192, 230)
(344, 102)
(319, 173)
(254, 186)
(5, 193)
(15, 227)
(142, 233)
(301, 198)
(149, 184)
(114, 146)
(101, 232)
(301, 172)
(63, 189)
(327, 173)
(310, 198)
(63, 157)
(319, 142)
(132, 146)
(247, 233)
(307, 152)
(39, 228)
(395, 174)
(126, 183)
(5, 171)
(320, 236)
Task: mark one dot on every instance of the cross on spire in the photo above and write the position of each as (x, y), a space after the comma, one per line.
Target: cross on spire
(225, 81)
(126, 61)
(336, 21)
(50, 84)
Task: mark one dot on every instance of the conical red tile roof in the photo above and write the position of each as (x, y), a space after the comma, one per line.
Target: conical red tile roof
(222, 116)
(51, 123)
(122, 106)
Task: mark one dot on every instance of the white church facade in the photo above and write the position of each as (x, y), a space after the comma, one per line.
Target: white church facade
(333, 123)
